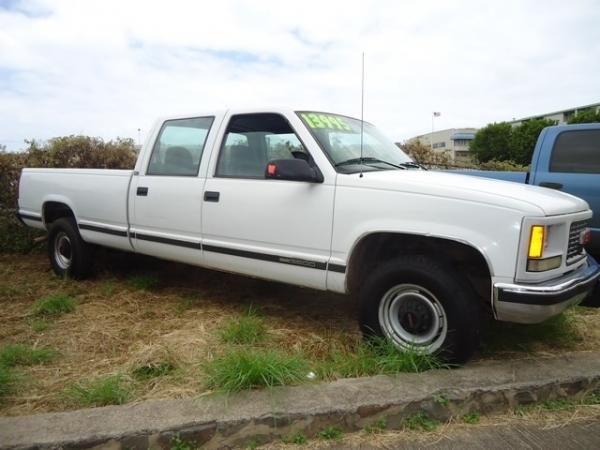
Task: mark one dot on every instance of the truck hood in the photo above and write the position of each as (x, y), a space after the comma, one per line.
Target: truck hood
(526, 198)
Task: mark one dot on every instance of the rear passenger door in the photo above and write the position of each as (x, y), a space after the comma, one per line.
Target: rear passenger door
(269, 228)
(166, 196)
(573, 166)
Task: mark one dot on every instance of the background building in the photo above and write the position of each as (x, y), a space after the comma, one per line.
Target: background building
(561, 116)
(453, 141)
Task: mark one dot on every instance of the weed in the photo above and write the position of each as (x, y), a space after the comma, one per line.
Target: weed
(377, 356)
(252, 445)
(472, 418)
(247, 329)
(109, 390)
(53, 305)
(592, 398)
(144, 282)
(39, 325)
(420, 422)
(108, 288)
(441, 399)
(22, 355)
(153, 370)
(376, 427)
(297, 438)
(179, 444)
(240, 369)
(330, 433)
(560, 404)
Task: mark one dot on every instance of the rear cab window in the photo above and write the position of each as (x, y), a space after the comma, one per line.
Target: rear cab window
(576, 151)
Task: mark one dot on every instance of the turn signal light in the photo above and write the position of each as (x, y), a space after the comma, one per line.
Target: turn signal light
(536, 241)
(541, 265)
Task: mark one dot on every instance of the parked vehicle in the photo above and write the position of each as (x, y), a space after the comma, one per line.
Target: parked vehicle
(289, 196)
(566, 158)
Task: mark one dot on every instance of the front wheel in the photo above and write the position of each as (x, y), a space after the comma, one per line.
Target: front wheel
(421, 304)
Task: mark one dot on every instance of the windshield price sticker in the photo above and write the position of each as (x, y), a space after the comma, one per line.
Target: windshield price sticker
(315, 120)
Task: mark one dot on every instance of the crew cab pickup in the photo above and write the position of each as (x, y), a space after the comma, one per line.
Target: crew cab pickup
(326, 201)
(566, 158)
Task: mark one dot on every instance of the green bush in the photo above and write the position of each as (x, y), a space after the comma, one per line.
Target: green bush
(61, 152)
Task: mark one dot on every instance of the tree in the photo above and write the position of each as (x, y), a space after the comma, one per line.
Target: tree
(586, 116)
(423, 154)
(523, 138)
(491, 142)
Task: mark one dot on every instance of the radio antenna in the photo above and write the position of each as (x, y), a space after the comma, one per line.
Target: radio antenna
(362, 112)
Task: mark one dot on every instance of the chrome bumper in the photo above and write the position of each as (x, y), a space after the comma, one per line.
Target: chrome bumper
(532, 303)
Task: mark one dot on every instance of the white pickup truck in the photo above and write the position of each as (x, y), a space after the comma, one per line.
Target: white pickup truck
(288, 196)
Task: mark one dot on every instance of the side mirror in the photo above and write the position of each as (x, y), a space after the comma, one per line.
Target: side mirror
(293, 170)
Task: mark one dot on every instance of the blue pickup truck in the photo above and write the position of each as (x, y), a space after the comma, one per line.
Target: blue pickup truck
(566, 157)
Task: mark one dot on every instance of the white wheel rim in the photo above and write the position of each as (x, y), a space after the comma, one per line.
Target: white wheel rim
(412, 317)
(63, 251)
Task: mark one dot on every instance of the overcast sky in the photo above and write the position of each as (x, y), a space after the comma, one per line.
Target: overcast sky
(107, 68)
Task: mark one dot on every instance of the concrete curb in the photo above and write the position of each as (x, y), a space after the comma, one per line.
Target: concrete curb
(219, 421)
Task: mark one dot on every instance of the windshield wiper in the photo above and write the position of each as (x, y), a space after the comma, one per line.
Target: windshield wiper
(371, 160)
(412, 165)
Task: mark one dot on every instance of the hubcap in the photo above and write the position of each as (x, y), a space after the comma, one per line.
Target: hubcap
(62, 250)
(411, 316)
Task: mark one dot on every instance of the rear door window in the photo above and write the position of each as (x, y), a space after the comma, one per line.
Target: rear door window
(179, 147)
(576, 151)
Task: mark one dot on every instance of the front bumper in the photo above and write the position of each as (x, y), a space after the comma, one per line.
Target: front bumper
(533, 303)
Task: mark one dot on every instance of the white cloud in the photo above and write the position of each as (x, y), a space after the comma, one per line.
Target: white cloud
(107, 68)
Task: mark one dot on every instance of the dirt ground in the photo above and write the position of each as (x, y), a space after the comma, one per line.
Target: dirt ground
(136, 310)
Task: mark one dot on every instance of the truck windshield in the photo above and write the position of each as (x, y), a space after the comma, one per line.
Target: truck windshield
(339, 137)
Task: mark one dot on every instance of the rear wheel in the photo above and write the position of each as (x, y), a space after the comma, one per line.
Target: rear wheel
(68, 253)
(421, 304)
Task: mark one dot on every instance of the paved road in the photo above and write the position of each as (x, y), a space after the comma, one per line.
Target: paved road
(575, 436)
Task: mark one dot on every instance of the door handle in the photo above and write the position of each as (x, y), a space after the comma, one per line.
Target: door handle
(211, 196)
(142, 191)
(551, 185)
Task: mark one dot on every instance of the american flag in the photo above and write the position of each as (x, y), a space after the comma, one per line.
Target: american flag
(437, 114)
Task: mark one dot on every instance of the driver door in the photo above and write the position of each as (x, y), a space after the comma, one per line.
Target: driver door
(267, 228)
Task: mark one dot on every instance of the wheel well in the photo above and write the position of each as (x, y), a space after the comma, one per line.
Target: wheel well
(55, 210)
(377, 248)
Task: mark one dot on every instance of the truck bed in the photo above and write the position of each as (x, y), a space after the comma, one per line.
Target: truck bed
(98, 197)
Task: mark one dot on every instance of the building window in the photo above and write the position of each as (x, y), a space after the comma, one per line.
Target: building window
(439, 144)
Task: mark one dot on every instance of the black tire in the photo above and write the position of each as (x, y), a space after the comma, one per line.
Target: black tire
(411, 281)
(69, 255)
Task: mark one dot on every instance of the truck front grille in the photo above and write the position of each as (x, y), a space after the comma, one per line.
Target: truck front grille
(575, 251)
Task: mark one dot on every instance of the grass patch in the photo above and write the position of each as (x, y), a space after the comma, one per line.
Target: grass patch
(376, 427)
(592, 398)
(144, 282)
(420, 422)
(330, 433)
(53, 305)
(297, 439)
(376, 356)
(559, 404)
(247, 329)
(7, 381)
(39, 325)
(22, 355)
(240, 369)
(109, 390)
(153, 370)
(472, 418)
(558, 332)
